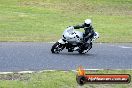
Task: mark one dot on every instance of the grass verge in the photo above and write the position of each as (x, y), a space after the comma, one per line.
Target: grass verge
(45, 20)
(56, 79)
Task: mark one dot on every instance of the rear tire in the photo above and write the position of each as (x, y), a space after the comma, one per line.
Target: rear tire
(82, 50)
(57, 47)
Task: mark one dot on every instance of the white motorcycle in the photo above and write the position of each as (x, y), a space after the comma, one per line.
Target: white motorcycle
(73, 41)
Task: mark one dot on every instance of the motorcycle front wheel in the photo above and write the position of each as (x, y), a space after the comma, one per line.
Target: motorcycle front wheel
(57, 47)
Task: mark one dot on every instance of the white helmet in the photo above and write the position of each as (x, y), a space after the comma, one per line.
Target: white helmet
(88, 22)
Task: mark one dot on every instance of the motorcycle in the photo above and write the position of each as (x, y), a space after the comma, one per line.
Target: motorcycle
(73, 41)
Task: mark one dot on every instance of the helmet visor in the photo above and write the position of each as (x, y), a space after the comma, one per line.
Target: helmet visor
(87, 25)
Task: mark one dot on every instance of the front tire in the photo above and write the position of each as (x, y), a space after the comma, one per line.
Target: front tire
(57, 47)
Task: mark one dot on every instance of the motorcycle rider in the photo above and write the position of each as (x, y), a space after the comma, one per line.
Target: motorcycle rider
(89, 31)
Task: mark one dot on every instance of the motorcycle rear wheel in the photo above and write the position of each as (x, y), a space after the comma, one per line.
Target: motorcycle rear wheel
(81, 51)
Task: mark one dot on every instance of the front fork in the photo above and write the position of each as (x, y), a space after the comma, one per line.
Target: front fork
(61, 41)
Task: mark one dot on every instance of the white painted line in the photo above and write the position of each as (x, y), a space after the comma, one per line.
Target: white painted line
(6, 72)
(46, 71)
(124, 47)
(100, 69)
(52, 42)
(26, 72)
(90, 70)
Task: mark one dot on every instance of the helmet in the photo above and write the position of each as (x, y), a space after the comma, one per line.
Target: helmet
(87, 22)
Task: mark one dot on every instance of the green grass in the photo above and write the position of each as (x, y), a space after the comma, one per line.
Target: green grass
(56, 79)
(45, 20)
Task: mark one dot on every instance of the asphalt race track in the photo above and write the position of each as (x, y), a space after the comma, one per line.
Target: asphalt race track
(37, 56)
